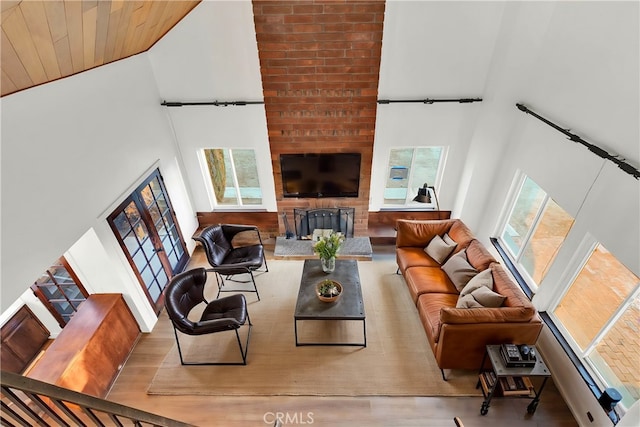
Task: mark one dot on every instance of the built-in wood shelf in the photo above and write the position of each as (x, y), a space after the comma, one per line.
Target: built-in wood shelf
(381, 225)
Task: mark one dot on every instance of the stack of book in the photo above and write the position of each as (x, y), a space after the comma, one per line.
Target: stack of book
(487, 380)
(516, 386)
(508, 386)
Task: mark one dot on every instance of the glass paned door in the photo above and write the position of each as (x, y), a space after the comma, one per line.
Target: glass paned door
(146, 228)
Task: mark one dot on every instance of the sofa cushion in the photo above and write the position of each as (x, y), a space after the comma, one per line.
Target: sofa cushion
(429, 306)
(423, 280)
(478, 256)
(459, 270)
(413, 257)
(419, 233)
(482, 279)
(439, 249)
(515, 308)
(480, 297)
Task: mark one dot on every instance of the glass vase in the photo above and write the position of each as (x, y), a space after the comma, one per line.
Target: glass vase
(328, 264)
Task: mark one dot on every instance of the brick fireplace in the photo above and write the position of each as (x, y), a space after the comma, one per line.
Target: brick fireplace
(320, 63)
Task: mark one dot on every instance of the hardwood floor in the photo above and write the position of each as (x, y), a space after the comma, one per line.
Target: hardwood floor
(233, 411)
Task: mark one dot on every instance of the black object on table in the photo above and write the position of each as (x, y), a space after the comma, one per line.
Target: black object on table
(499, 368)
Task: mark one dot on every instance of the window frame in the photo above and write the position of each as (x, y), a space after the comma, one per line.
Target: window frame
(49, 302)
(571, 273)
(515, 192)
(547, 300)
(206, 175)
(411, 191)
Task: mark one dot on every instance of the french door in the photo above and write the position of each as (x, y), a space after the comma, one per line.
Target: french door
(146, 227)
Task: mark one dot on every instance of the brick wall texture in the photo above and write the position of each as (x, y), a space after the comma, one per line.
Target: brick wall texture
(320, 63)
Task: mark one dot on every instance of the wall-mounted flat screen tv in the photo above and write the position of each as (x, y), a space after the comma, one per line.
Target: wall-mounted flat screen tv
(320, 174)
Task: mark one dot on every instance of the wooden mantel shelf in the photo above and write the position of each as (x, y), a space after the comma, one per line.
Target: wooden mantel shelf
(92, 348)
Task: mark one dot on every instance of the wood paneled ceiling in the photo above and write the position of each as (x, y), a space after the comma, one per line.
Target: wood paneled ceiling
(45, 40)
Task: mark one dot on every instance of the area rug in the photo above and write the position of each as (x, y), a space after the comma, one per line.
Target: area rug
(396, 362)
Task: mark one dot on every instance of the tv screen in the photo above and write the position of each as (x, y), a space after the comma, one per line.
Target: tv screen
(320, 175)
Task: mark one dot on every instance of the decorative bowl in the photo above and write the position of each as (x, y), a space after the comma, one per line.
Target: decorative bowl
(328, 290)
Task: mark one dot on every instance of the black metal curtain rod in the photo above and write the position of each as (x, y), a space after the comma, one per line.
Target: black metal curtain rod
(214, 103)
(593, 148)
(430, 101)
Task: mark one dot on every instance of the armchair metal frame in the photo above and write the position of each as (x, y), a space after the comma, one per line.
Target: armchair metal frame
(227, 260)
(184, 292)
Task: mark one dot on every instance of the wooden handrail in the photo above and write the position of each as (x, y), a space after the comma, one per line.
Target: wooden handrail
(40, 403)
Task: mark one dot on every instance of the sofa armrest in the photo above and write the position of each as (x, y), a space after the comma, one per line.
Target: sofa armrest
(487, 315)
(463, 346)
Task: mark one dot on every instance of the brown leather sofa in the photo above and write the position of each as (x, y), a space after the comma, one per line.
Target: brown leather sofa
(458, 336)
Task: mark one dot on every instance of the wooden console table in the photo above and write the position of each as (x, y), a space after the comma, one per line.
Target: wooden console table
(92, 348)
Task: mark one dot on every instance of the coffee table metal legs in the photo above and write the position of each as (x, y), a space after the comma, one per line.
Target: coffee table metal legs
(361, 344)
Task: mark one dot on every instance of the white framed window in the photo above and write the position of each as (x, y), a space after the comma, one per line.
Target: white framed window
(410, 168)
(599, 316)
(534, 231)
(595, 304)
(232, 177)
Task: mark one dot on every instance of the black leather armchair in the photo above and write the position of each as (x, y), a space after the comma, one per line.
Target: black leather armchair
(226, 260)
(184, 292)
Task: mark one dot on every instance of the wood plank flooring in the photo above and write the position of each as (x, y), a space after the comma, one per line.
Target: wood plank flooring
(131, 385)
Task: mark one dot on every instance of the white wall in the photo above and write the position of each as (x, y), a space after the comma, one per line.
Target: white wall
(71, 151)
(416, 125)
(432, 50)
(575, 63)
(212, 55)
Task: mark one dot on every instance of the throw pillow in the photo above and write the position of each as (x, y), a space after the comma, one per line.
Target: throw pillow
(438, 249)
(487, 297)
(481, 297)
(459, 270)
(449, 240)
(484, 278)
(468, 301)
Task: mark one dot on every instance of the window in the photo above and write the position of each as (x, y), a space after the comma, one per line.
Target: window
(60, 291)
(233, 176)
(535, 231)
(409, 169)
(600, 317)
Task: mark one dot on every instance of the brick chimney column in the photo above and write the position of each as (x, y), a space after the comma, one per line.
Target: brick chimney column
(320, 64)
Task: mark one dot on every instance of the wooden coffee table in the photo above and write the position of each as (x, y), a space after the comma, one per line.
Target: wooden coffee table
(350, 306)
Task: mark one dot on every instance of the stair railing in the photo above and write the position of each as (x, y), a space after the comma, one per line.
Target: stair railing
(29, 402)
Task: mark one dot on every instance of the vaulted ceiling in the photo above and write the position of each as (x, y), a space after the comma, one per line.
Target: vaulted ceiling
(45, 40)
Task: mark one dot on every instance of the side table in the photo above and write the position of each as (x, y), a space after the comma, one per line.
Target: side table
(501, 371)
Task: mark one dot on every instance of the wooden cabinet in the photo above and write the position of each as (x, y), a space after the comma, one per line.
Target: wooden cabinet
(23, 336)
(92, 348)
